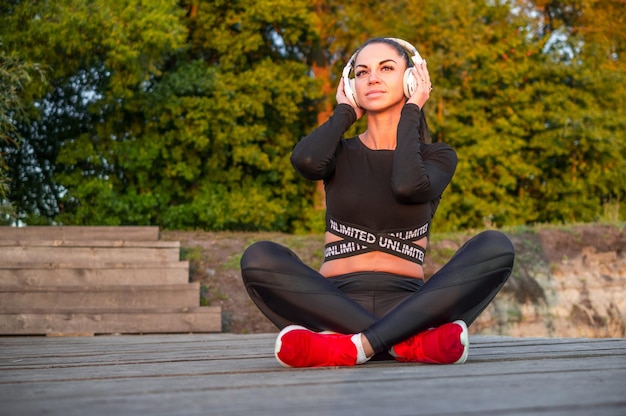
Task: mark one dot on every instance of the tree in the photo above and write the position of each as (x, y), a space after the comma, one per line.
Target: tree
(183, 114)
(584, 144)
(167, 114)
(99, 55)
(534, 141)
(211, 148)
(15, 73)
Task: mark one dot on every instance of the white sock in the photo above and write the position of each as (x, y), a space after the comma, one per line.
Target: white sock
(392, 352)
(360, 352)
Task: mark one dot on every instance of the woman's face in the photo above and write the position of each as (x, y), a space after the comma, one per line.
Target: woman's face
(379, 77)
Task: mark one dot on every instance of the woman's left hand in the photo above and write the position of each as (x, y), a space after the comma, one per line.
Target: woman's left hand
(423, 87)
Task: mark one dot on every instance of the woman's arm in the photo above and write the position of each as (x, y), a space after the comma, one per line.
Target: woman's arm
(314, 156)
(420, 172)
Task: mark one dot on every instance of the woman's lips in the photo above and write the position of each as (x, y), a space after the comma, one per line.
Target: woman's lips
(374, 93)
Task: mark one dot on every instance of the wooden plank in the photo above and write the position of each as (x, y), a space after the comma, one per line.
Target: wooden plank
(89, 243)
(213, 373)
(66, 254)
(99, 274)
(195, 320)
(105, 298)
(92, 265)
(93, 352)
(80, 233)
(24, 359)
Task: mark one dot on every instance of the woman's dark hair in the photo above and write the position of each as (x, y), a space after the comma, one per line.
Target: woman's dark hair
(423, 131)
(401, 51)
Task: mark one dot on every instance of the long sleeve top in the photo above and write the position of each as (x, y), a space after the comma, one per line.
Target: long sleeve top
(381, 192)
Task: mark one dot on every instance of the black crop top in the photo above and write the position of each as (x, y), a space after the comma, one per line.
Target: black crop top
(376, 199)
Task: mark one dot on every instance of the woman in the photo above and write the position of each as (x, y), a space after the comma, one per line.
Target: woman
(369, 298)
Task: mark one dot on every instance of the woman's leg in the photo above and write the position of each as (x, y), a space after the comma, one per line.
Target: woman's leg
(459, 290)
(288, 291)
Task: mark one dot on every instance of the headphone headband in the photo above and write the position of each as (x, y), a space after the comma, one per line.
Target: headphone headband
(412, 50)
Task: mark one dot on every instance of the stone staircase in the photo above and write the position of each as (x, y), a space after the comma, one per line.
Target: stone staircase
(97, 280)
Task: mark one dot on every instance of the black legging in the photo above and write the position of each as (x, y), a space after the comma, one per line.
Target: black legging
(288, 292)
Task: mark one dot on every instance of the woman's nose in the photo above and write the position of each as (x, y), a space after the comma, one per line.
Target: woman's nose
(373, 77)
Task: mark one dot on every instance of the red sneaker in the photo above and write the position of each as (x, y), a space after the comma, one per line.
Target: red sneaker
(447, 344)
(297, 346)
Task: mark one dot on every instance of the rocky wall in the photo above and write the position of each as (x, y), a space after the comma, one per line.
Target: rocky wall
(566, 283)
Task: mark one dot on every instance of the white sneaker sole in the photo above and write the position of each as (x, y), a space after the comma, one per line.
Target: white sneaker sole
(465, 341)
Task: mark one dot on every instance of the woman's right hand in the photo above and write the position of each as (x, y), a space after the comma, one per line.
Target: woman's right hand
(423, 87)
(342, 98)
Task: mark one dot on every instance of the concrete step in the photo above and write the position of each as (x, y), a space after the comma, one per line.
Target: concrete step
(70, 323)
(93, 273)
(92, 280)
(128, 233)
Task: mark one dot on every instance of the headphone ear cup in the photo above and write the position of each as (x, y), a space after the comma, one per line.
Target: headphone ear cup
(348, 84)
(352, 95)
(410, 83)
(349, 90)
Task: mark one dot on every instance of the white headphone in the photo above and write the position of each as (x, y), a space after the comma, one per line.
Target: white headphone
(409, 79)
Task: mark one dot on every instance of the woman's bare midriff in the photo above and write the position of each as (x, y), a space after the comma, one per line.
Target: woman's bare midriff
(375, 261)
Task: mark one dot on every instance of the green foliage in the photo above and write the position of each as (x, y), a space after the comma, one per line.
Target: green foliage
(538, 136)
(184, 114)
(15, 75)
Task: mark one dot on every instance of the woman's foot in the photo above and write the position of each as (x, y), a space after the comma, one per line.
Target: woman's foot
(297, 346)
(447, 344)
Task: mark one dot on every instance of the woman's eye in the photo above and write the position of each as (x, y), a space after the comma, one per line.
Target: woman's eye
(360, 73)
(387, 68)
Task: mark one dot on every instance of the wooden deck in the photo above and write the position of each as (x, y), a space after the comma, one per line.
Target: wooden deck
(227, 374)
